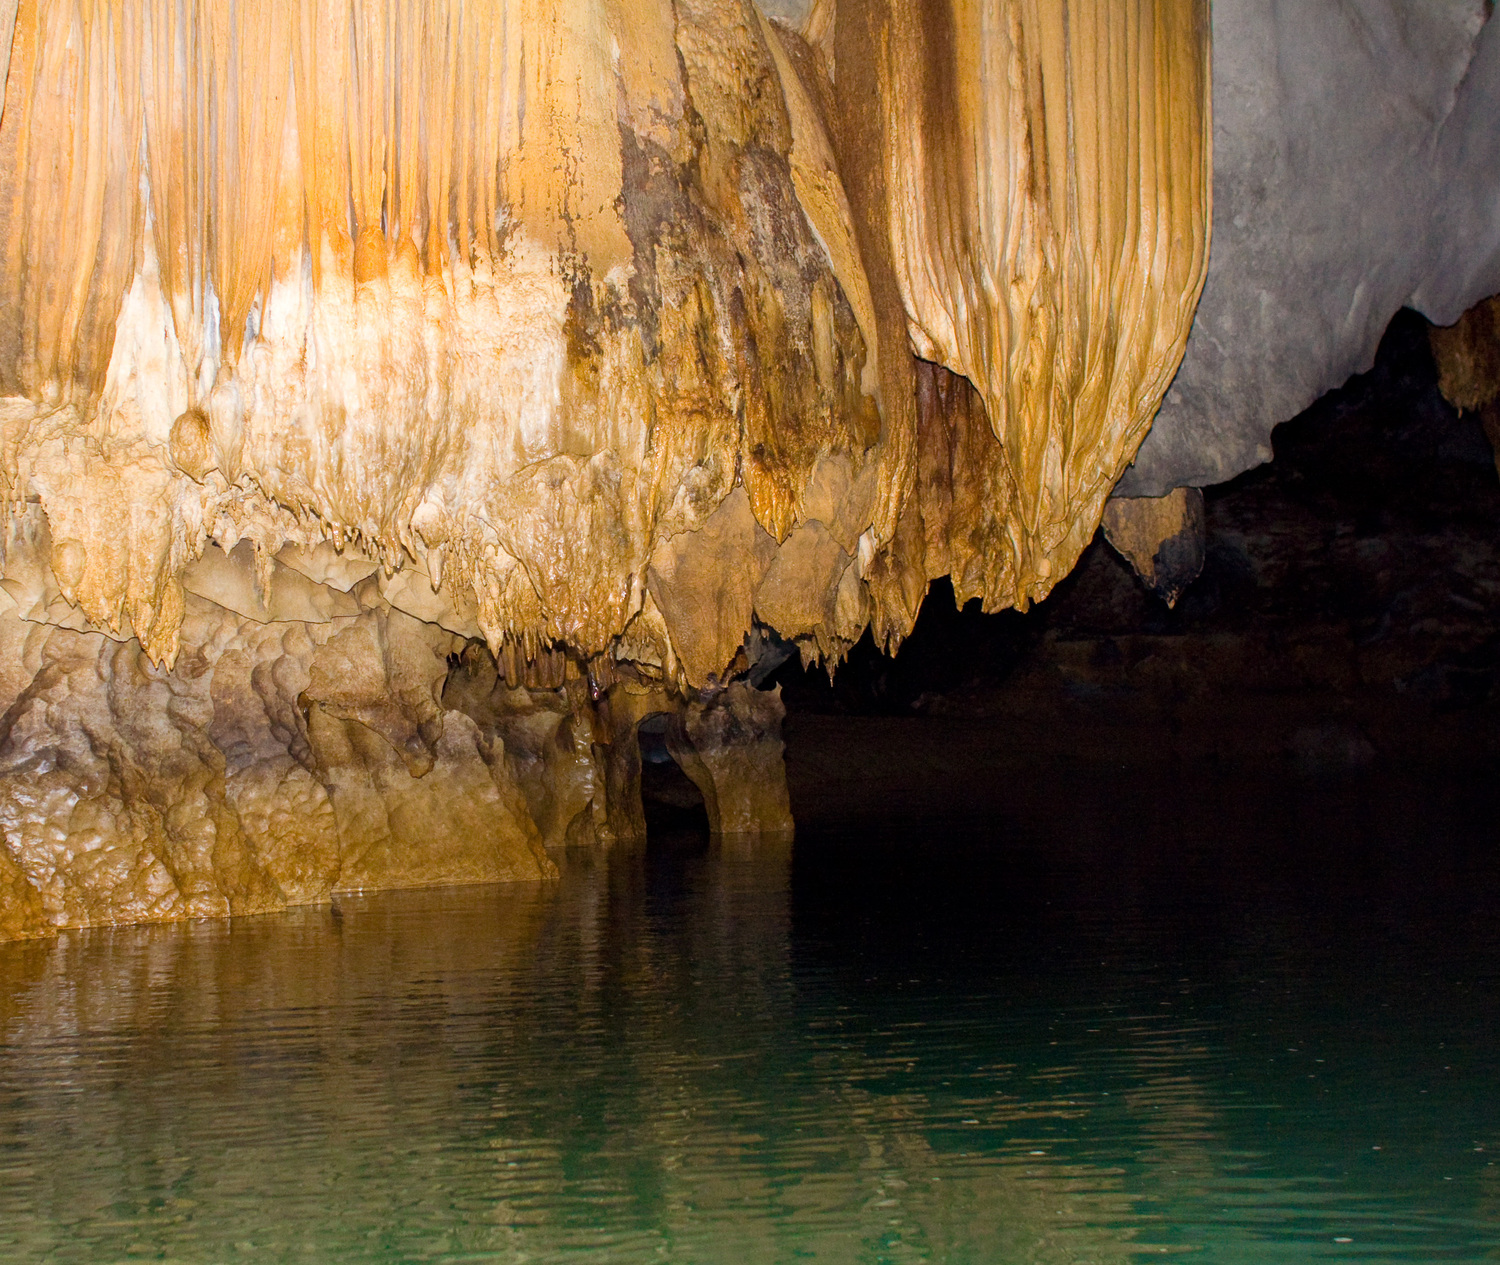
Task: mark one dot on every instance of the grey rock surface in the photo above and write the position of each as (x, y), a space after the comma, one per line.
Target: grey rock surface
(794, 12)
(1356, 172)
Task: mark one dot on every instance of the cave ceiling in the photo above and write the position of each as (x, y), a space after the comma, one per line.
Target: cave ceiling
(609, 326)
(1356, 172)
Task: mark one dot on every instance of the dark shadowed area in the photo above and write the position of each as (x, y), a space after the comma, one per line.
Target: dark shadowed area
(1345, 627)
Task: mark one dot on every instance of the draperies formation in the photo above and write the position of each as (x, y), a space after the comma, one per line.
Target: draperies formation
(513, 292)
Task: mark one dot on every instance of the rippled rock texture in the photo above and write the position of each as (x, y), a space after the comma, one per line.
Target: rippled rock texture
(576, 342)
(280, 759)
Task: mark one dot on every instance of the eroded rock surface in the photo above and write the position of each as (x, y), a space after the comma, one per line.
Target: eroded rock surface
(273, 762)
(279, 760)
(577, 343)
(515, 322)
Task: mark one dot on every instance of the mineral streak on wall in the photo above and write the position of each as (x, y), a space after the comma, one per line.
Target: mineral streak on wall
(584, 329)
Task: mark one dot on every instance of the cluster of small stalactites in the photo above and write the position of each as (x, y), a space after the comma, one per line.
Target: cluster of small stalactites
(587, 324)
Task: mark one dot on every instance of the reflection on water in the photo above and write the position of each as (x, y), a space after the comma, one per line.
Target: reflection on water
(949, 1048)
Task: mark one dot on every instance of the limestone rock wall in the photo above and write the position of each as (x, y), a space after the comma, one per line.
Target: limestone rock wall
(1356, 172)
(316, 271)
(580, 342)
(281, 759)
(272, 763)
(514, 295)
(1162, 537)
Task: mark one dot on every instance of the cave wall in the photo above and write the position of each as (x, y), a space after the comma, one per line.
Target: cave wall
(1356, 172)
(276, 760)
(308, 271)
(585, 345)
(319, 739)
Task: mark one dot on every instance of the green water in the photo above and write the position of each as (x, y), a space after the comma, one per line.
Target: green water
(937, 1043)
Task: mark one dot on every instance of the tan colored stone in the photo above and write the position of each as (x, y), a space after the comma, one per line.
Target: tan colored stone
(704, 583)
(30, 582)
(626, 325)
(229, 580)
(327, 563)
(191, 445)
(282, 807)
(21, 912)
(800, 589)
(618, 752)
(841, 496)
(730, 746)
(1468, 362)
(548, 741)
(1468, 356)
(1038, 251)
(411, 590)
(586, 333)
(956, 522)
(454, 824)
(129, 792)
(635, 319)
(1162, 537)
(386, 671)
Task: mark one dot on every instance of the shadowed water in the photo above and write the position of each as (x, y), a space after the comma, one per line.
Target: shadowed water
(939, 1043)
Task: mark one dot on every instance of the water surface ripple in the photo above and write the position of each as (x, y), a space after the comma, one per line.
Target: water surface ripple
(950, 1045)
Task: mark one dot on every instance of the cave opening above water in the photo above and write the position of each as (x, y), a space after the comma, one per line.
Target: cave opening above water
(672, 803)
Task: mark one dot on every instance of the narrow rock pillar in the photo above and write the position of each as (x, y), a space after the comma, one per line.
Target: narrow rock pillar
(730, 746)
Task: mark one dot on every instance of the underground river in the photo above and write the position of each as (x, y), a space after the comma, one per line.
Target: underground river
(1122, 1036)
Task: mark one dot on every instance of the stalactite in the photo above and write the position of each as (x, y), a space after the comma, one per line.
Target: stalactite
(1046, 175)
(360, 258)
(581, 327)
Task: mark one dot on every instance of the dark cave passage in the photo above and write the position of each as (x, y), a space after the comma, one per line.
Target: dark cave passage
(1346, 620)
(672, 803)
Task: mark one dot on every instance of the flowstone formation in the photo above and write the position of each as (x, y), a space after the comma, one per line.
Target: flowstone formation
(1467, 354)
(403, 399)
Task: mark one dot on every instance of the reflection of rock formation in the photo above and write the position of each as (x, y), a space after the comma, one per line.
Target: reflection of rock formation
(530, 1069)
(583, 331)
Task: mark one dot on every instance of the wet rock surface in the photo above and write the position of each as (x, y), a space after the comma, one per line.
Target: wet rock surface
(516, 297)
(279, 761)
(402, 403)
